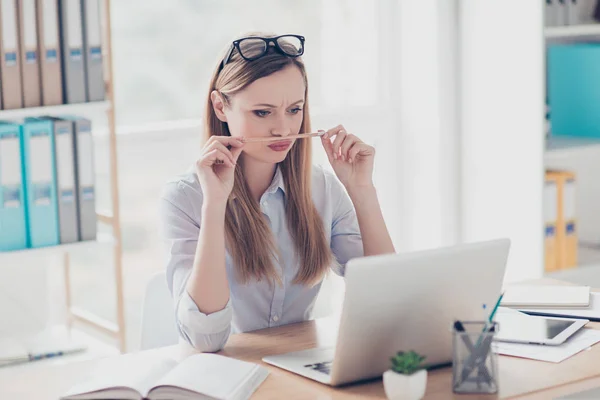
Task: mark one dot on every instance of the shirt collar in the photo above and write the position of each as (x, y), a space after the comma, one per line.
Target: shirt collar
(277, 182)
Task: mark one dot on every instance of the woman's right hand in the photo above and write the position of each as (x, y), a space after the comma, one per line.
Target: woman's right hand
(216, 167)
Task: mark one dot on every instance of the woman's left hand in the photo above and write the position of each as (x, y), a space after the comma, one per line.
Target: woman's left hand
(351, 159)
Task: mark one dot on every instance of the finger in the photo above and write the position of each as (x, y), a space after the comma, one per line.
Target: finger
(332, 132)
(337, 143)
(236, 152)
(226, 140)
(357, 149)
(216, 157)
(328, 148)
(220, 146)
(346, 145)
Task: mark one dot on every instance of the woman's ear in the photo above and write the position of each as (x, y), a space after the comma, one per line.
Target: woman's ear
(218, 105)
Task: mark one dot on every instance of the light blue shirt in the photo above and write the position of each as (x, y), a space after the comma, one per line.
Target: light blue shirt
(254, 305)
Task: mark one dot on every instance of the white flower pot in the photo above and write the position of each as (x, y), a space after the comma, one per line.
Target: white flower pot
(405, 387)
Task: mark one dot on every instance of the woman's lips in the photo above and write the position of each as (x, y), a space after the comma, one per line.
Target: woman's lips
(280, 145)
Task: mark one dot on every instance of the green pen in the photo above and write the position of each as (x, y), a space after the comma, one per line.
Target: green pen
(491, 319)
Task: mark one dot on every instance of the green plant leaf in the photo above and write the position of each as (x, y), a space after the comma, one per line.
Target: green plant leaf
(407, 363)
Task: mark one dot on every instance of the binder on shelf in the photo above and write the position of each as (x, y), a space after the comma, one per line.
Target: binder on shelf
(550, 13)
(30, 67)
(92, 44)
(64, 139)
(569, 217)
(50, 51)
(561, 12)
(566, 221)
(10, 65)
(13, 219)
(40, 173)
(550, 222)
(85, 177)
(73, 65)
(573, 11)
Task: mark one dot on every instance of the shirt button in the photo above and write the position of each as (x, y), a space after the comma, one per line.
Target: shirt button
(275, 318)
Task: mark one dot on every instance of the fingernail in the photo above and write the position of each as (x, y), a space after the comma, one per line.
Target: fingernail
(326, 136)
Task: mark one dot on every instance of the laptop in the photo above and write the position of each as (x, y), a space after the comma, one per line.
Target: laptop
(403, 302)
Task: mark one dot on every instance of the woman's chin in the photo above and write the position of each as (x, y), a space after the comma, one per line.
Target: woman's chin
(273, 157)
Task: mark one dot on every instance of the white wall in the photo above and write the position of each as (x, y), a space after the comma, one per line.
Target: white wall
(502, 111)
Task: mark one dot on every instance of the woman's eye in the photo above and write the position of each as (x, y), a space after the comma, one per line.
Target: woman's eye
(295, 110)
(261, 113)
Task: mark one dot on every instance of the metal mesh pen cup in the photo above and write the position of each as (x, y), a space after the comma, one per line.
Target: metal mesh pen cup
(474, 363)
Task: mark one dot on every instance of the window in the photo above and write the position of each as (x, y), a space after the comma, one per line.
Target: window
(164, 52)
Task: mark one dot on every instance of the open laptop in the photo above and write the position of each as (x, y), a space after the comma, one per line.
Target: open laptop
(403, 302)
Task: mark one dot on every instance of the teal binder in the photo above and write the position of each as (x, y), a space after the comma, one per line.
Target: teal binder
(40, 178)
(574, 89)
(13, 219)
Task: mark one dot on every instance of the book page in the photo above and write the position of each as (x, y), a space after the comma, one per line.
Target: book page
(135, 371)
(213, 375)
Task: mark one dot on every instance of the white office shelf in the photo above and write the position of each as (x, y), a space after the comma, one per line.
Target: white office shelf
(63, 109)
(557, 146)
(51, 251)
(573, 32)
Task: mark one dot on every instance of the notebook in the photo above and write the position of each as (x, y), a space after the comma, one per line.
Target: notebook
(592, 312)
(142, 376)
(546, 296)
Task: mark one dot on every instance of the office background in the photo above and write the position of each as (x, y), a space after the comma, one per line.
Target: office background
(457, 122)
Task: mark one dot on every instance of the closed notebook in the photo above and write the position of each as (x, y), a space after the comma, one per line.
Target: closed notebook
(142, 376)
(591, 312)
(546, 296)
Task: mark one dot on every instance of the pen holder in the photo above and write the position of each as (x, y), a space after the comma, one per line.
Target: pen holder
(474, 364)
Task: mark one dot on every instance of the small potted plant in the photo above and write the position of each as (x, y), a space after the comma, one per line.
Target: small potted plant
(407, 378)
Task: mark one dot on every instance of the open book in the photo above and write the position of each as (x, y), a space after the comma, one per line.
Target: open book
(200, 376)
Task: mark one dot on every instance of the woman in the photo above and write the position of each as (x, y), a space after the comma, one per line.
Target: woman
(253, 227)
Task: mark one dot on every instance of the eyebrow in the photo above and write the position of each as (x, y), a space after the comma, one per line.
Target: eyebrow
(272, 106)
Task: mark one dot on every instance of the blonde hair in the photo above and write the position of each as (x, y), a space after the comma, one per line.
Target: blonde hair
(248, 236)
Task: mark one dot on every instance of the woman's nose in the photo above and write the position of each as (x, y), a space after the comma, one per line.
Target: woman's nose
(281, 130)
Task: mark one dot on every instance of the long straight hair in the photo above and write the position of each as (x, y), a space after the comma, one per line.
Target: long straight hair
(248, 236)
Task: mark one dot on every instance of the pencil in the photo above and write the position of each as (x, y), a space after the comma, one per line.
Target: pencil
(289, 137)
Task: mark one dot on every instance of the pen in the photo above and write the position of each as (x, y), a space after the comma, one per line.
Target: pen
(33, 357)
(278, 139)
(490, 319)
(496, 307)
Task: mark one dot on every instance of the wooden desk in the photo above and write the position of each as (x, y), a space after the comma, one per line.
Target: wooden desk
(520, 378)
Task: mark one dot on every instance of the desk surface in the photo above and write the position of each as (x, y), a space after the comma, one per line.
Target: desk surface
(525, 379)
(520, 378)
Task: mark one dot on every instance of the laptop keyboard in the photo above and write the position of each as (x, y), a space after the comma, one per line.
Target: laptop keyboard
(324, 367)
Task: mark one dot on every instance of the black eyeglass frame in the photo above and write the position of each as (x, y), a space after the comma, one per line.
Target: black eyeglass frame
(235, 45)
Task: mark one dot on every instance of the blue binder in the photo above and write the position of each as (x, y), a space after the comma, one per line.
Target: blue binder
(40, 178)
(574, 89)
(13, 219)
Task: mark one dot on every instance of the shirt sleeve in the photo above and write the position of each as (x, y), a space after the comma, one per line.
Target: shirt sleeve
(206, 332)
(346, 240)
